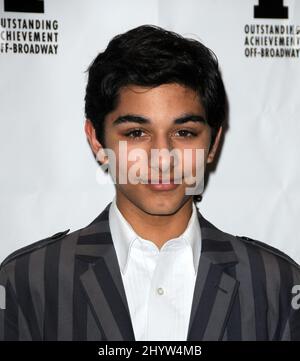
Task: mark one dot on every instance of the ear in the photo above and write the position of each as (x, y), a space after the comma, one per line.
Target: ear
(91, 136)
(95, 145)
(215, 146)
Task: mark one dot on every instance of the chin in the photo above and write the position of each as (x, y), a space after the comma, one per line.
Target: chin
(160, 206)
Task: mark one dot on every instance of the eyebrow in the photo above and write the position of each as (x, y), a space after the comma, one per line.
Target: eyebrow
(131, 118)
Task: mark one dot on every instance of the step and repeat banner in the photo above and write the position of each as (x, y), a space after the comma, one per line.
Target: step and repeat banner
(49, 179)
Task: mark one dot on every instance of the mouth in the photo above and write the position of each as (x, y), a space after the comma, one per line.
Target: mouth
(160, 186)
(160, 180)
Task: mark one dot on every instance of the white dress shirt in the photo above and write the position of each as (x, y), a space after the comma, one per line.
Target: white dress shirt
(159, 283)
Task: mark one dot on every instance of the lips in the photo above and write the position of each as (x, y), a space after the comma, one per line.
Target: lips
(160, 186)
(160, 181)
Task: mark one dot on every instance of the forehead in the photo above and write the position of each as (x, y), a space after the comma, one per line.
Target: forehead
(163, 101)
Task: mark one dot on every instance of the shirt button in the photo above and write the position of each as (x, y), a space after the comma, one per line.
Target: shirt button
(160, 291)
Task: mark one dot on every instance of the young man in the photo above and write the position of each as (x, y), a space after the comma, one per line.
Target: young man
(150, 266)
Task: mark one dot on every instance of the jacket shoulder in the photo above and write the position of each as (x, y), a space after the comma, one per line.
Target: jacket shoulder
(34, 246)
(266, 247)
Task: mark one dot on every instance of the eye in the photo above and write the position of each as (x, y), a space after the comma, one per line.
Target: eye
(186, 133)
(135, 133)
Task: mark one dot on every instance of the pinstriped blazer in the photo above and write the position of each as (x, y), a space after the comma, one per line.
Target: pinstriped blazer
(69, 287)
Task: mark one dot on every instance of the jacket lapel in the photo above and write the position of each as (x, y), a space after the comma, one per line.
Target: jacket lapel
(102, 280)
(215, 289)
(214, 292)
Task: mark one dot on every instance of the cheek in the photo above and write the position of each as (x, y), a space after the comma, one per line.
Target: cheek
(131, 163)
(192, 161)
(193, 153)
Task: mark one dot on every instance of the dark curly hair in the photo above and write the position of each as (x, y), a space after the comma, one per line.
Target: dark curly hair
(151, 56)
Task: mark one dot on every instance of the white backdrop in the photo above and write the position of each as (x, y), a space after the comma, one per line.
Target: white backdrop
(48, 176)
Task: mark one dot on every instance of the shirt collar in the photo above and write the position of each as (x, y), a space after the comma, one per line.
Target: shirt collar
(123, 235)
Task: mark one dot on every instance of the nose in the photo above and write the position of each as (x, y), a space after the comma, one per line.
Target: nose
(161, 161)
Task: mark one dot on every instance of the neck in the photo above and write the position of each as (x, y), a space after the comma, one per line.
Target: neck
(156, 228)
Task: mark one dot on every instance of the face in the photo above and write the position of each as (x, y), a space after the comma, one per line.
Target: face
(167, 117)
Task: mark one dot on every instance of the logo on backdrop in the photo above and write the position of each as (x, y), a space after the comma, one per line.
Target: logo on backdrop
(273, 9)
(28, 6)
(24, 35)
(271, 34)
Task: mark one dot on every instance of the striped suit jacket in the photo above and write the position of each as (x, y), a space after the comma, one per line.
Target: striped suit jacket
(69, 287)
